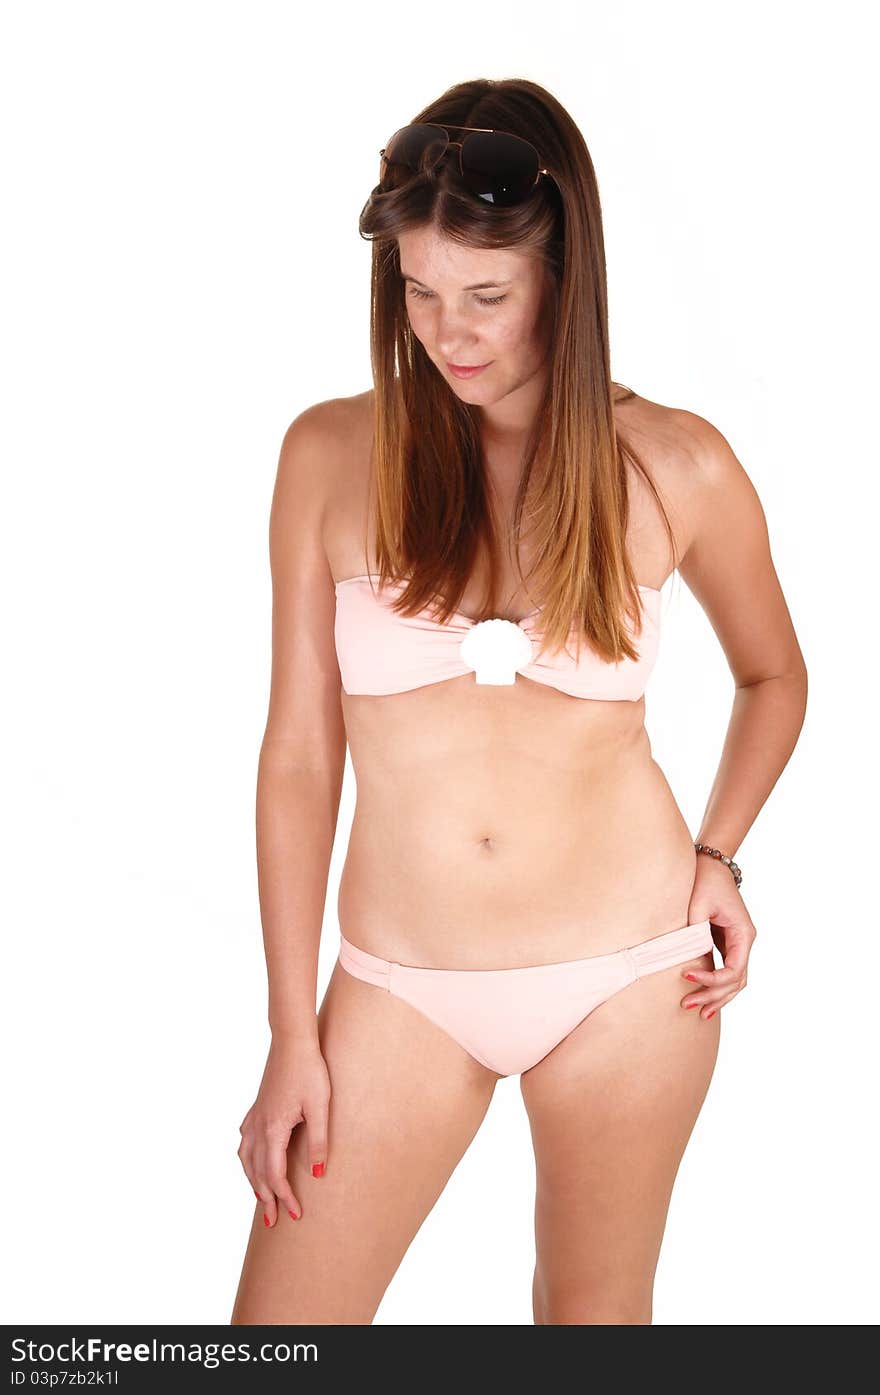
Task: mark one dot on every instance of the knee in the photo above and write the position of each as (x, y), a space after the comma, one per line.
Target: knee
(573, 1306)
(575, 1313)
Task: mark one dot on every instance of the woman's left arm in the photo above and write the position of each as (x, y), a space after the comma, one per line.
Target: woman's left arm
(728, 567)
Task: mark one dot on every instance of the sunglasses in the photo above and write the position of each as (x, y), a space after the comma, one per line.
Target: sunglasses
(499, 167)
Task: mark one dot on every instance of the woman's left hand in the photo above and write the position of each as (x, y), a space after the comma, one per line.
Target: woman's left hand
(715, 897)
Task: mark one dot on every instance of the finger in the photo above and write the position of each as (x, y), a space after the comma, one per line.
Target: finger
(244, 1157)
(694, 1002)
(266, 1198)
(711, 996)
(704, 1007)
(726, 981)
(708, 1003)
(316, 1128)
(725, 977)
(288, 1201)
(736, 958)
(263, 1186)
(717, 1003)
(279, 1181)
(712, 1009)
(696, 974)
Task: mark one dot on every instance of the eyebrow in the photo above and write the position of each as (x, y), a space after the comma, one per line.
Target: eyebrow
(480, 286)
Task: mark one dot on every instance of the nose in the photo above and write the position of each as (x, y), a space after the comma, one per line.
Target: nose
(454, 337)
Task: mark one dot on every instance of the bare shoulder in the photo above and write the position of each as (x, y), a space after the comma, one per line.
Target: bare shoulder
(690, 462)
(710, 481)
(724, 543)
(318, 451)
(664, 436)
(325, 429)
(660, 442)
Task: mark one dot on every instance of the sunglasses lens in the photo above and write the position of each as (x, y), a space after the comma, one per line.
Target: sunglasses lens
(408, 145)
(499, 168)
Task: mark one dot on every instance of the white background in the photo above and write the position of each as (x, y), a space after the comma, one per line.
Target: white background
(182, 275)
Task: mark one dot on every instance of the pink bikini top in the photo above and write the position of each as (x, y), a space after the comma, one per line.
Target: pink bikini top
(381, 652)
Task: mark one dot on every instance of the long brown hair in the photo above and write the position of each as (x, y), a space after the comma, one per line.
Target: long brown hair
(433, 513)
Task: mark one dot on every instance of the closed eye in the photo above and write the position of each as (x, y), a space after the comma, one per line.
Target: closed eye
(484, 300)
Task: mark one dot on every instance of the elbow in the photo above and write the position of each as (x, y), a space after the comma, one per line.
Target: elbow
(799, 677)
(286, 759)
(805, 687)
(793, 677)
(798, 680)
(797, 684)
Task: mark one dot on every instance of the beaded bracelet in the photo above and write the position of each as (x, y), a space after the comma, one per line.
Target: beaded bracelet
(728, 861)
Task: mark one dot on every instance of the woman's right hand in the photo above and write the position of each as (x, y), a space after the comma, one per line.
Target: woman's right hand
(295, 1089)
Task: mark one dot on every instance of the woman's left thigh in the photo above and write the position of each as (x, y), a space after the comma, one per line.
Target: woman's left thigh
(611, 1109)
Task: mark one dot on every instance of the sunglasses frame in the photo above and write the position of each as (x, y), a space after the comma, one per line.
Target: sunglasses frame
(482, 130)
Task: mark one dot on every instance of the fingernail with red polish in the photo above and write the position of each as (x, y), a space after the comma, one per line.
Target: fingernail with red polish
(690, 1005)
(317, 1169)
(710, 1014)
(692, 977)
(293, 1216)
(266, 1220)
(257, 1195)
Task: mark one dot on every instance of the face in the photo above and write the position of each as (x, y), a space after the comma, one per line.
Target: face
(471, 306)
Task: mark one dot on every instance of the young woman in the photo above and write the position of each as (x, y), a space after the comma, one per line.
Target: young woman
(467, 567)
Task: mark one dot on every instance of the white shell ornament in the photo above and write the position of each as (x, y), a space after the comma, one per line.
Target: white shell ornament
(496, 650)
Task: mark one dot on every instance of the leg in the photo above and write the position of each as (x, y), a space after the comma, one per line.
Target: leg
(611, 1110)
(406, 1102)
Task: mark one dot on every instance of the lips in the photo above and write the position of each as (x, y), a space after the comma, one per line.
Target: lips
(466, 370)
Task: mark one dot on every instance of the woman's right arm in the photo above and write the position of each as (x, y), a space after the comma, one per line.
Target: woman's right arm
(299, 781)
(302, 756)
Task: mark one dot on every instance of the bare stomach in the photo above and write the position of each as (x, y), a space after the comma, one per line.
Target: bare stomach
(489, 834)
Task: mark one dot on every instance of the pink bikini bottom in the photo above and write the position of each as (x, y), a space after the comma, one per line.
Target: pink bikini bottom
(508, 1019)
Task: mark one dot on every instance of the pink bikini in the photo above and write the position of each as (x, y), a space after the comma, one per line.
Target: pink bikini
(508, 1019)
(381, 652)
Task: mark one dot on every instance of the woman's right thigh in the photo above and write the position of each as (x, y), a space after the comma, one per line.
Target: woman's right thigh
(406, 1101)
